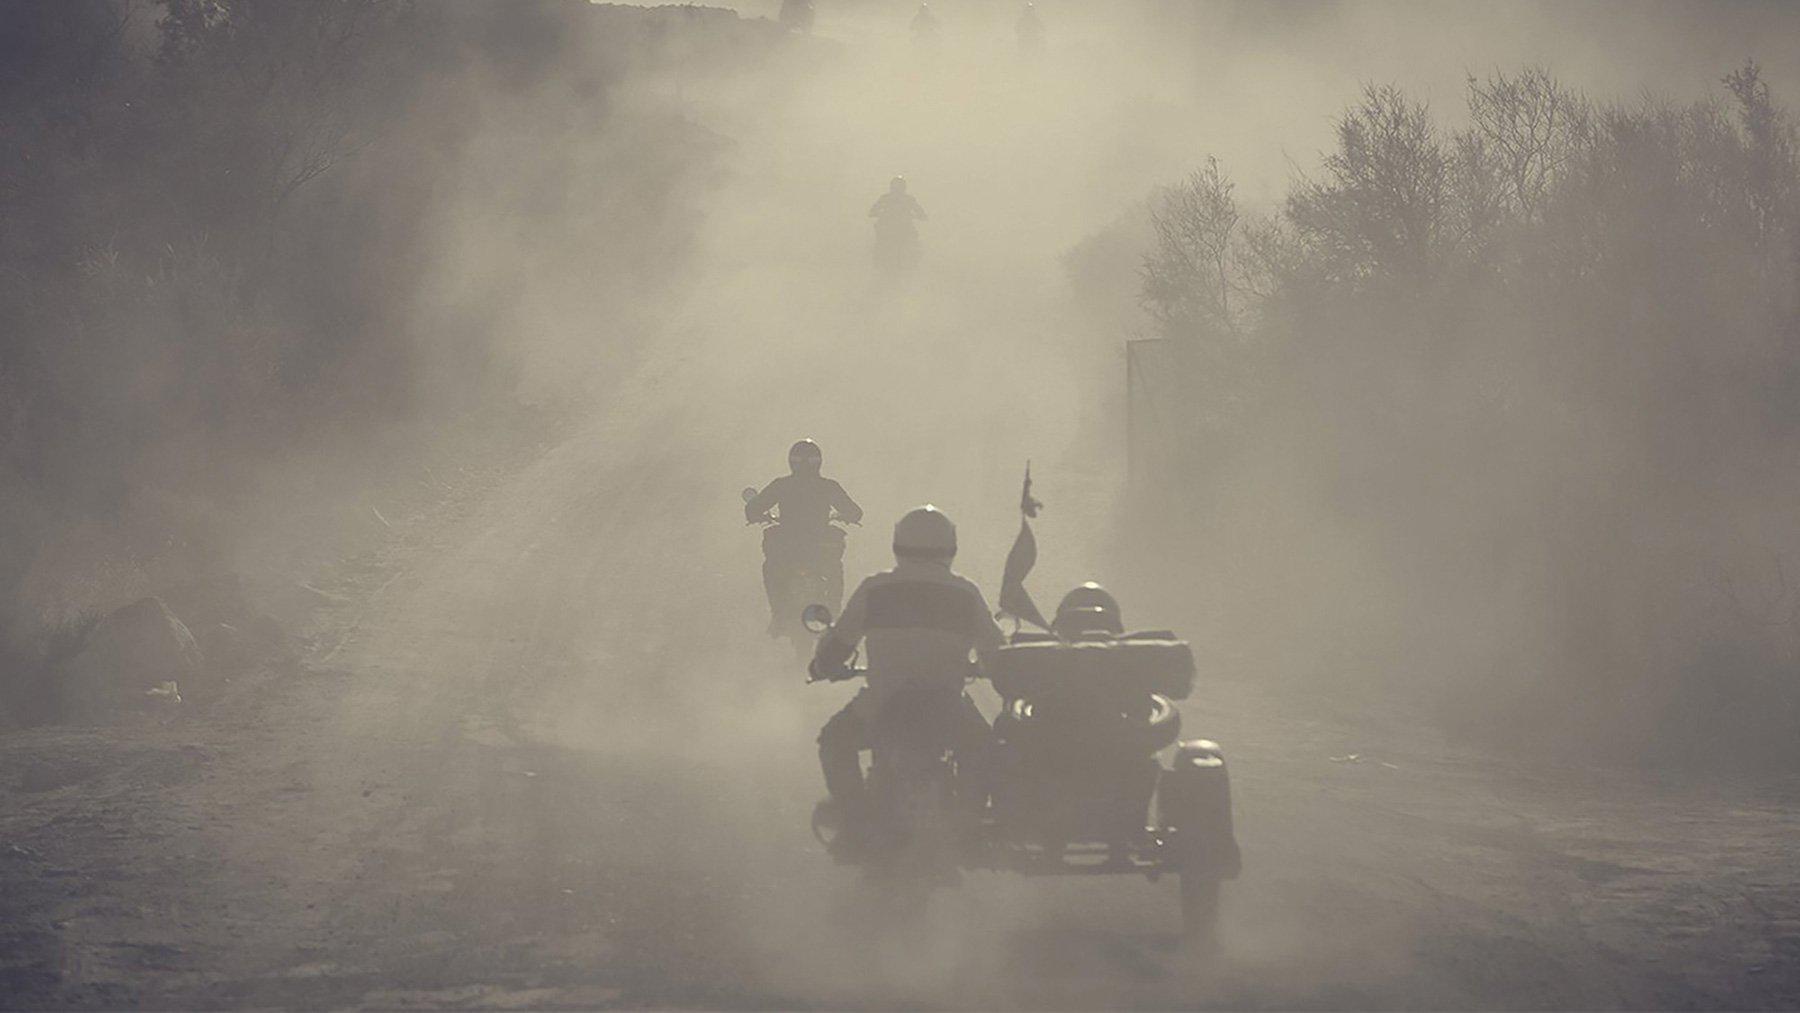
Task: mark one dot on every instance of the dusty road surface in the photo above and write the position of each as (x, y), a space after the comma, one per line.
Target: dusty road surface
(537, 752)
(541, 756)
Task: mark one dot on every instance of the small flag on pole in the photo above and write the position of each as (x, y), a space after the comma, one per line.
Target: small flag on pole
(1015, 601)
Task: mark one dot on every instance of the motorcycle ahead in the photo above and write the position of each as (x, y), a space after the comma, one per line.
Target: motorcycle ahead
(800, 568)
(897, 248)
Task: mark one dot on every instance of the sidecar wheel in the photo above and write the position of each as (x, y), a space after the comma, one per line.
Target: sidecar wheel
(1199, 909)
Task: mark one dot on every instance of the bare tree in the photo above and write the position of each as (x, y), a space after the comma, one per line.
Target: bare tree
(1204, 275)
(1380, 210)
(1529, 129)
(1772, 145)
(285, 86)
(1567, 333)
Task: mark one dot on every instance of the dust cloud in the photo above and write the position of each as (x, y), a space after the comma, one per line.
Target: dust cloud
(586, 270)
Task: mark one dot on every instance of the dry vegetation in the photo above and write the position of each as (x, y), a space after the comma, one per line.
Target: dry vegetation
(1535, 380)
(241, 229)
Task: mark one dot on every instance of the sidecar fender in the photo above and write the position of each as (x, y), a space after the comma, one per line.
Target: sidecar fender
(1194, 803)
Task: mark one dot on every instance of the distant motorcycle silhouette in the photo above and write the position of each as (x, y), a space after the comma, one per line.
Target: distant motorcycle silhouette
(811, 571)
(897, 248)
(925, 31)
(797, 15)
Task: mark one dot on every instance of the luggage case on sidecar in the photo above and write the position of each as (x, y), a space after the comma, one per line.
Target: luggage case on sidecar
(1135, 665)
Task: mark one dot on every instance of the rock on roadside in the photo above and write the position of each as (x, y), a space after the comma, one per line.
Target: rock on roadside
(132, 651)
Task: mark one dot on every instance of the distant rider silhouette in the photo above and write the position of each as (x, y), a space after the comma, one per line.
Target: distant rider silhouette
(1030, 30)
(924, 26)
(896, 237)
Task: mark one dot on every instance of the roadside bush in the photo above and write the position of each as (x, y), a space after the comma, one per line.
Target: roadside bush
(239, 228)
(1540, 372)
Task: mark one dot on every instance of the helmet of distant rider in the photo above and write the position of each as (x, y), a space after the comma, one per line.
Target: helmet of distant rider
(1089, 608)
(897, 185)
(805, 458)
(925, 533)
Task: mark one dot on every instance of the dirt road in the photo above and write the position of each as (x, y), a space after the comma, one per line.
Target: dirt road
(551, 762)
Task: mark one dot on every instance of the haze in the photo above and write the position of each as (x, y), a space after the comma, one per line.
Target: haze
(413, 356)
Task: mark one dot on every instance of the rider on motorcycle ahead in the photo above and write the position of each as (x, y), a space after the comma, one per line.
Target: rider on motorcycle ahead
(924, 26)
(1030, 31)
(920, 621)
(896, 237)
(802, 538)
(796, 15)
(897, 204)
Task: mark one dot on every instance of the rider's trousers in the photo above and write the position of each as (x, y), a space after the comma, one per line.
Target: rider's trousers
(846, 735)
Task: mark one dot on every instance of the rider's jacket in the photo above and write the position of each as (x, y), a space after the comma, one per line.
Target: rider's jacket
(896, 207)
(806, 502)
(920, 621)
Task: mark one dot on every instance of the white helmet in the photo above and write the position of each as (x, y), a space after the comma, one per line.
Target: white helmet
(925, 533)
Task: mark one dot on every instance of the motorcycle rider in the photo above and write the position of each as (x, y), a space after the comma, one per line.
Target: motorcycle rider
(920, 620)
(802, 536)
(924, 26)
(796, 15)
(897, 204)
(1030, 31)
(896, 238)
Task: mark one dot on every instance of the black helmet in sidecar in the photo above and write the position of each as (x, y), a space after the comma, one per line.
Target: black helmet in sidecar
(1089, 608)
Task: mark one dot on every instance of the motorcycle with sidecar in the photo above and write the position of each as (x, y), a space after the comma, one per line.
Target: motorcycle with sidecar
(1090, 774)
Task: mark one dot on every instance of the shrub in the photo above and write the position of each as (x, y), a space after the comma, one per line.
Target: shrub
(1543, 369)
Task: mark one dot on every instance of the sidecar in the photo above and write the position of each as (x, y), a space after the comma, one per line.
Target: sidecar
(1094, 776)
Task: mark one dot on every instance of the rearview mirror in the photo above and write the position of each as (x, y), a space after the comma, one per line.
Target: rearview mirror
(749, 493)
(816, 618)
